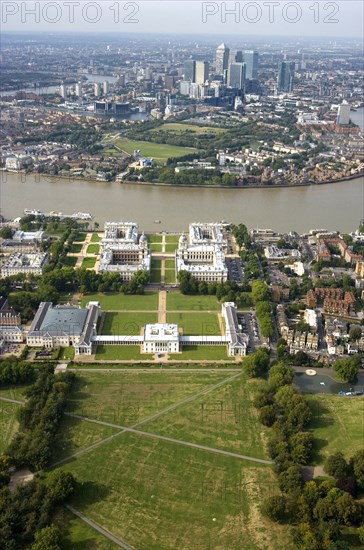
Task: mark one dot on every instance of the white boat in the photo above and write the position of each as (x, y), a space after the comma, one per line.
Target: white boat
(33, 212)
(82, 216)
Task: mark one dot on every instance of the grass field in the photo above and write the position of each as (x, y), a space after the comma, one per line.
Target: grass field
(172, 239)
(93, 249)
(70, 261)
(155, 239)
(170, 276)
(155, 247)
(196, 323)
(95, 238)
(88, 263)
(177, 301)
(8, 423)
(201, 353)
(67, 353)
(338, 424)
(155, 276)
(171, 247)
(77, 535)
(14, 392)
(76, 248)
(124, 398)
(121, 353)
(156, 495)
(157, 151)
(80, 238)
(156, 264)
(169, 264)
(126, 323)
(180, 128)
(116, 301)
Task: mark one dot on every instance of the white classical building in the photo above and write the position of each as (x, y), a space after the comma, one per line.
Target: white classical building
(204, 257)
(28, 263)
(64, 326)
(121, 252)
(159, 338)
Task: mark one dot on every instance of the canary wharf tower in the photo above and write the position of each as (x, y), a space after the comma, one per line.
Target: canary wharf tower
(222, 58)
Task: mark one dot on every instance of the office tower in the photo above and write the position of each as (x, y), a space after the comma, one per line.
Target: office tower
(251, 59)
(63, 91)
(235, 56)
(189, 70)
(222, 58)
(105, 87)
(79, 89)
(236, 75)
(202, 72)
(285, 76)
(97, 89)
(343, 115)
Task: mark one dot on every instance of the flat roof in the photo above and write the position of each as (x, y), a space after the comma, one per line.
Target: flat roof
(70, 320)
(161, 332)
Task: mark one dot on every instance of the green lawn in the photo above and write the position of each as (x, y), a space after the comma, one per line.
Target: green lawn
(155, 247)
(224, 418)
(169, 264)
(88, 263)
(177, 301)
(181, 128)
(172, 239)
(93, 249)
(338, 424)
(80, 238)
(127, 323)
(170, 276)
(77, 535)
(67, 353)
(76, 248)
(198, 353)
(171, 247)
(196, 323)
(156, 495)
(8, 423)
(155, 276)
(121, 353)
(125, 398)
(155, 239)
(117, 301)
(14, 392)
(70, 261)
(156, 264)
(155, 150)
(95, 238)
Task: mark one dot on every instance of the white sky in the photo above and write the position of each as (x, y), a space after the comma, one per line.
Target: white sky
(342, 18)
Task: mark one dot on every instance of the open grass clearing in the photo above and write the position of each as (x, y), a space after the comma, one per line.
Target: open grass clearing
(126, 323)
(14, 392)
(202, 353)
(93, 249)
(196, 323)
(224, 418)
(125, 398)
(77, 535)
(8, 423)
(338, 424)
(121, 353)
(88, 263)
(117, 301)
(157, 151)
(70, 261)
(181, 128)
(156, 495)
(177, 301)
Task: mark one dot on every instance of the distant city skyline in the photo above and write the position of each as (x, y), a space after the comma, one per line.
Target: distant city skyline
(256, 18)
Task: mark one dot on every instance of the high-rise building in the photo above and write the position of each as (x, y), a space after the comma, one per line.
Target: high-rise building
(235, 56)
(97, 89)
(202, 72)
(105, 87)
(189, 70)
(63, 91)
(236, 75)
(222, 58)
(343, 115)
(251, 59)
(79, 89)
(285, 76)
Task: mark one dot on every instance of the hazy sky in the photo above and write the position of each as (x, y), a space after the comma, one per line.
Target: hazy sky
(259, 17)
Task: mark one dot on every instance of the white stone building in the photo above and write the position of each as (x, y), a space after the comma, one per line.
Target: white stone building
(28, 263)
(161, 338)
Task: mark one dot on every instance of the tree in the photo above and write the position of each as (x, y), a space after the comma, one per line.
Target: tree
(256, 364)
(6, 232)
(301, 444)
(61, 485)
(355, 333)
(357, 465)
(347, 369)
(260, 291)
(267, 415)
(336, 465)
(48, 538)
(274, 507)
(291, 480)
(360, 531)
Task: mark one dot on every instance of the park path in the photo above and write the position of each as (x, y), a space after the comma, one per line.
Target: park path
(91, 523)
(162, 307)
(15, 401)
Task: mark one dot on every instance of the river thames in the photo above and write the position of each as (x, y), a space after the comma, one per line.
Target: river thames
(331, 206)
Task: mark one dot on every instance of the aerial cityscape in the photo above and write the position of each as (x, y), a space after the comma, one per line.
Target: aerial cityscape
(181, 276)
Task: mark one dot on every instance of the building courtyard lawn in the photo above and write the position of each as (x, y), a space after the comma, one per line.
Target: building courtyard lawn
(177, 301)
(171, 247)
(169, 264)
(67, 354)
(157, 151)
(155, 276)
(202, 353)
(337, 425)
(155, 239)
(76, 248)
(169, 276)
(128, 323)
(125, 398)
(172, 239)
(93, 249)
(88, 263)
(8, 423)
(95, 238)
(157, 495)
(119, 302)
(80, 238)
(121, 353)
(70, 261)
(156, 247)
(194, 324)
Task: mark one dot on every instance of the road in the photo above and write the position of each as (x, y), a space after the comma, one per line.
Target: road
(91, 523)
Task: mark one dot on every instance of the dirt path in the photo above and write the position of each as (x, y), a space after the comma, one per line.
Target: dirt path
(162, 307)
